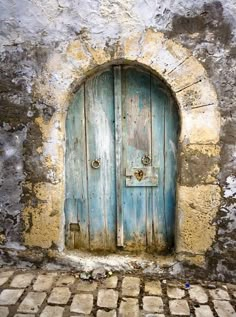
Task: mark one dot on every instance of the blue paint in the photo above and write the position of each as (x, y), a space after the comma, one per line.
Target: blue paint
(149, 127)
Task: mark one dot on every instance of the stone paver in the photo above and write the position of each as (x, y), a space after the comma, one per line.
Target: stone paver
(175, 292)
(4, 311)
(153, 288)
(153, 304)
(59, 295)
(100, 298)
(65, 280)
(179, 307)
(103, 313)
(4, 277)
(107, 298)
(224, 308)
(198, 294)
(10, 296)
(219, 294)
(52, 311)
(82, 303)
(129, 307)
(131, 286)
(110, 282)
(22, 280)
(84, 286)
(203, 311)
(44, 282)
(32, 302)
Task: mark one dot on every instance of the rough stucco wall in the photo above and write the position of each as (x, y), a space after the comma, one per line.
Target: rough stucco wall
(32, 30)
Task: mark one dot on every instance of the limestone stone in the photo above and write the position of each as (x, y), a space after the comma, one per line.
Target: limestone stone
(203, 311)
(175, 292)
(219, 294)
(107, 298)
(82, 303)
(32, 302)
(4, 311)
(153, 304)
(52, 311)
(129, 307)
(103, 313)
(110, 282)
(10, 296)
(43, 282)
(4, 277)
(130, 286)
(65, 280)
(198, 294)
(179, 307)
(153, 288)
(22, 280)
(195, 206)
(224, 308)
(59, 295)
(84, 286)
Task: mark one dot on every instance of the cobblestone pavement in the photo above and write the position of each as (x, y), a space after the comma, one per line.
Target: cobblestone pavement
(31, 293)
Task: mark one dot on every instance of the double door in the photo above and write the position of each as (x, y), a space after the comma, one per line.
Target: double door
(120, 165)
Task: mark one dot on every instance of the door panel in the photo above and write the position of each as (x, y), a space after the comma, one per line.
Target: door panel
(136, 144)
(99, 105)
(76, 208)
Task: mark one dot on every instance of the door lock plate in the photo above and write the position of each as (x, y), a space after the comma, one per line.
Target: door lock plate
(141, 176)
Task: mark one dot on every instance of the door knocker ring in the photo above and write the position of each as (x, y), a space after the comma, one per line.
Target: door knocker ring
(95, 163)
(146, 160)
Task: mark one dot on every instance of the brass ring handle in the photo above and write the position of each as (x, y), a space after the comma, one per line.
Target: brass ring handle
(146, 160)
(95, 163)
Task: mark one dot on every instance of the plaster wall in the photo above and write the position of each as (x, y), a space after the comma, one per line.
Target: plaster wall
(49, 47)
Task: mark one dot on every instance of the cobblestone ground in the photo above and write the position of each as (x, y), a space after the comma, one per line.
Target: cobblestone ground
(31, 293)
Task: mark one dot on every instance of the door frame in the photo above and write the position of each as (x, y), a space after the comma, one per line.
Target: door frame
(196, 97)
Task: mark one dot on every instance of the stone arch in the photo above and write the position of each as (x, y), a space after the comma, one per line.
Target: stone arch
(200, 125)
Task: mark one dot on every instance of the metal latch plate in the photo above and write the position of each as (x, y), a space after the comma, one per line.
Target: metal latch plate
(141, 176)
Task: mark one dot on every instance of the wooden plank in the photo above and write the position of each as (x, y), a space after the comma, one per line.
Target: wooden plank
(118, 146)
(100, 130)
(76, 209)
(136, 144)
(159, 101)
(171, 141)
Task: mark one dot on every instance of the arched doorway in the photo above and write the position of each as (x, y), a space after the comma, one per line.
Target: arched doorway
(121, 145)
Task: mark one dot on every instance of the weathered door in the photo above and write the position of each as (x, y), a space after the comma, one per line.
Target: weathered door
(121, 136)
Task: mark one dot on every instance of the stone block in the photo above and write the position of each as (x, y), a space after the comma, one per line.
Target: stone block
(84, 286)
(82, 303)
(219, 294)
(10, 296)
(130, 286)
(43, 282)
(107, 298)
(198, 294)
(22, 280)
(32, 302)
(52, 311)
(129, 307)
(179, 307)
(59, 295)
(65, 280)
(110, 282)
(4, 311)
(224, 308)
(103, 313)
(153, 304)
(203, 311)
(175, 292)
(4, 277)
(153, 288)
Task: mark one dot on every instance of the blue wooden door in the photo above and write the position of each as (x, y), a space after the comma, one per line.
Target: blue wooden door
(121, 142)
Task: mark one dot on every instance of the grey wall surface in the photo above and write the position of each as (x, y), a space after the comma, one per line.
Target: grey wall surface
(31, 29)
